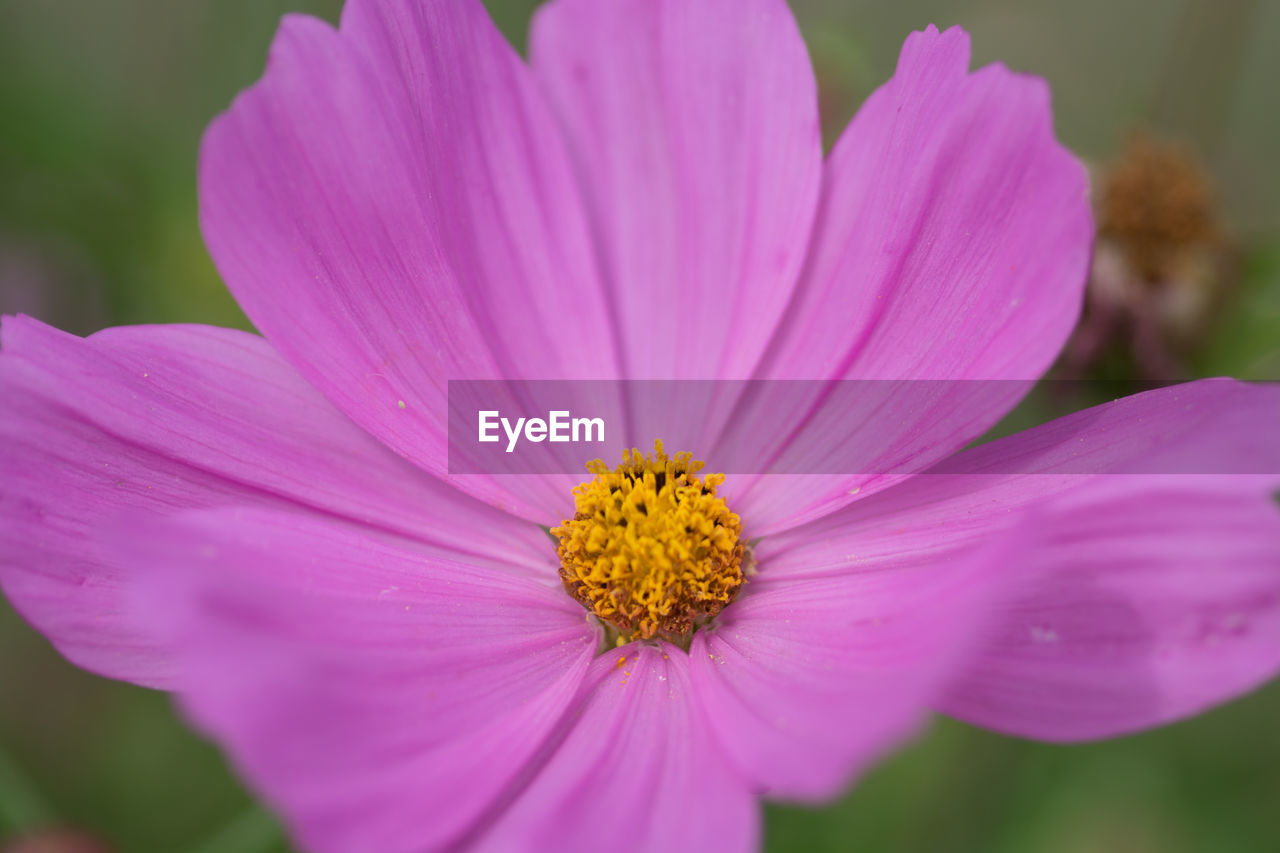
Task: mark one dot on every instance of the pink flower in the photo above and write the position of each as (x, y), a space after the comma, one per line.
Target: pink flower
(266, 525)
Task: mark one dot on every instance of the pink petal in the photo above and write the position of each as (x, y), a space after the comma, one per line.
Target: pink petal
(380, 701)
(953, 232)
(951, 242)
(869, 434)
(165, 418)
(1158, 600)
(694, 127)
(809, 681)
(1148, 596)
(638, 771)
(392, 207)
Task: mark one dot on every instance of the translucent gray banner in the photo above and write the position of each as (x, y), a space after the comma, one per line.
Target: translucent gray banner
(864, 427)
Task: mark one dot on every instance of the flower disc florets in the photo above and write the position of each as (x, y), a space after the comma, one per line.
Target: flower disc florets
(651, 550)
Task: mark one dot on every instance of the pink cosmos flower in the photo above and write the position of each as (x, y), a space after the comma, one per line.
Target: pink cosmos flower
(266, 525)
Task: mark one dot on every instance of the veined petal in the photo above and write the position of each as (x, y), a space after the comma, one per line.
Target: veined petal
(694, 128)
(392, 207)
(638, 770)
(809, 681)
(1153, 589)
(380, 701)
(1156, 602)
(953, 232)
(952, 242)
(154, 420)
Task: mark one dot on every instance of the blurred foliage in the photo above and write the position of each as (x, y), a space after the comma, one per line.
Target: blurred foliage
(1246, 339)
(103, 107)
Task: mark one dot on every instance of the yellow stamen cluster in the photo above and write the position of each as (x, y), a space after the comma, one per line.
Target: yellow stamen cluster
(651, 549)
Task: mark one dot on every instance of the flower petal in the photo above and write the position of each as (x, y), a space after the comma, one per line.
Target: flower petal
(952, 242)
(694, 127)
(953, 233)
(392, 207)
(639, 770)
(1157, 601)
(165, 418)
(1153, 590)
(809, 681)
(380, 700)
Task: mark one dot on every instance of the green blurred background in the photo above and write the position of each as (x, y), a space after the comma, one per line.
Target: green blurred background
(101, 109)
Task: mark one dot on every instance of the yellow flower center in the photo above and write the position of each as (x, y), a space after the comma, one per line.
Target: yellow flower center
(651, 549)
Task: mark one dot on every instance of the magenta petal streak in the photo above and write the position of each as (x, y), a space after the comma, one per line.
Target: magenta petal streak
(392, 207)
(383, 701)
(1146, 597)
(951, 242)
(153, 420)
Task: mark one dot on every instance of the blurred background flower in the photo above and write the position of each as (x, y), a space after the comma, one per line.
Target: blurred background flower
(1172, 101)
(55, 841)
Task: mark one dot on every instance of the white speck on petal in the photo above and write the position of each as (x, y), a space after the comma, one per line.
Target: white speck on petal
(1043, 636)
